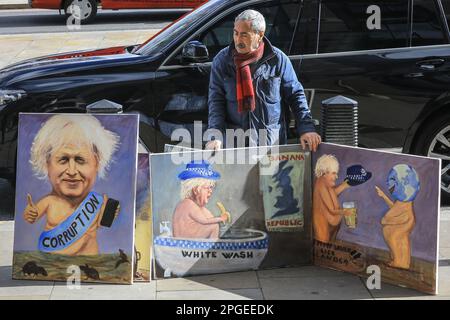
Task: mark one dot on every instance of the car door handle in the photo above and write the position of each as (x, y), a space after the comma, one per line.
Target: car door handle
(430, 64)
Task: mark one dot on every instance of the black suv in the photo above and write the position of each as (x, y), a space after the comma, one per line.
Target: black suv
(392, 56)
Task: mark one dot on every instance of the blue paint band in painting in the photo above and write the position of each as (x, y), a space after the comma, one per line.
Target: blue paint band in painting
(74, 227)
(207, 245)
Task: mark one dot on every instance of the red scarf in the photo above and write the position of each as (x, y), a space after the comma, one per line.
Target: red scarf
(244, 84)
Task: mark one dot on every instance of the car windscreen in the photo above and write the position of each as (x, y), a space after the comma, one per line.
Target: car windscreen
(166, 36)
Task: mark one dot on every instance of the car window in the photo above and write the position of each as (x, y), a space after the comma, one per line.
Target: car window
(280, 24)
(446, 7)
(172, 32)
(346, 26)
(427, 29)
(305, 40)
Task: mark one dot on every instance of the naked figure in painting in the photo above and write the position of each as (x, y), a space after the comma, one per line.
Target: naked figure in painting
(399, 221)
(191, 218)
(70, 152)
(327, 211)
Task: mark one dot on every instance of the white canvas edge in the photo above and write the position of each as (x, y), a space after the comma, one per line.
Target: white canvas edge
(134, 197)
(438, 229)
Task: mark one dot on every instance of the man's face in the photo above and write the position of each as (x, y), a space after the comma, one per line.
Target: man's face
(203, 193)
(72, 171)
(330, 178)
(245, 39)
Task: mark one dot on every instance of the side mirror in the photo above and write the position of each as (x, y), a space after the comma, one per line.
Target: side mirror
(194, 52)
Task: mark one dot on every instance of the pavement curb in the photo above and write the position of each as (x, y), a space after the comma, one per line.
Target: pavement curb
(13, 6)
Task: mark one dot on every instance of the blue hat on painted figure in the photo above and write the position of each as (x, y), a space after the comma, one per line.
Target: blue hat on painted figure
(357, 175)
(199, 169)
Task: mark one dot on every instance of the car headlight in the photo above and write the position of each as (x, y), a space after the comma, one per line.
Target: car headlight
(8, 96)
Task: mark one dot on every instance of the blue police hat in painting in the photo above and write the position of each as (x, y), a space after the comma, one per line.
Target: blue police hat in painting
(403, 182)
(357, 175)
(199, 169)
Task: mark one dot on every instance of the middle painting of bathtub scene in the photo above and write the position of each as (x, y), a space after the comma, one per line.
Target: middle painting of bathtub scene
(228, 211)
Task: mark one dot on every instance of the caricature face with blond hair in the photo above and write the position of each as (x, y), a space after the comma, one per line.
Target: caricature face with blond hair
(72, 170)
(71, 150)
(327, 168)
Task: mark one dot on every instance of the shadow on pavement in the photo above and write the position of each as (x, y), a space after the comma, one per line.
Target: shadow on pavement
(444, 262)
(6, 280)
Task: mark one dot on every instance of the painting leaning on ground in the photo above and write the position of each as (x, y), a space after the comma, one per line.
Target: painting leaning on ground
(143, 233)
(75, 197)
(379, 209)
(229, 216)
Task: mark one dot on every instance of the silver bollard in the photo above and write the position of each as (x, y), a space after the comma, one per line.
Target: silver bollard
(339, 121)
(104, 106)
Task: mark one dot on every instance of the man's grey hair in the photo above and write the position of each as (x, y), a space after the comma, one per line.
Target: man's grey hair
(258, 22)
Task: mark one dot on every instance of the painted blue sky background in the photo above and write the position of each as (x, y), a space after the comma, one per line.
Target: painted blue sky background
(119, 183)
(371, 208)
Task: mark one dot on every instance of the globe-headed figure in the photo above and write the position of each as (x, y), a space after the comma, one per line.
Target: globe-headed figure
(399, 221)
(191, 218)
(71, 151)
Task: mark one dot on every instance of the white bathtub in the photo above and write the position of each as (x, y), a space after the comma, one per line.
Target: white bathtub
(182, 256)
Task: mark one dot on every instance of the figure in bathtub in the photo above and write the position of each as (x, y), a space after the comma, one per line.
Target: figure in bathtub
(191, 218)
(399, 221)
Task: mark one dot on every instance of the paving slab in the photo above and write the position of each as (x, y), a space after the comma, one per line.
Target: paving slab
(388, 291)
(14, 5)
(314, 288)
(226, 281)
(240, 294)
(444, 281)
(25, 297)
(299, 272)
(444, 232)
(444, 253)
(20, 289)
(7, 242)
(28, 46)
(6, 258)
(137, 291)
(6, 226)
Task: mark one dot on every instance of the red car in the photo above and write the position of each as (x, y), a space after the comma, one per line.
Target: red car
(88, 8)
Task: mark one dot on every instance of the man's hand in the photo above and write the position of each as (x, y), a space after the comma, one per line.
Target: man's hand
(312, 139)
(31, 211)
(214, 145)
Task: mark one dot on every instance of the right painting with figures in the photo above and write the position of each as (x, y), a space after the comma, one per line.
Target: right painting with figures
(377, 211)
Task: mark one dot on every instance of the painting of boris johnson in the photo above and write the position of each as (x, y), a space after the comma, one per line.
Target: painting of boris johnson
(75, 197)
(217, 217)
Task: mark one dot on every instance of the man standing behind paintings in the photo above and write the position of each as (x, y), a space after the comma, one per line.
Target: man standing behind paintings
(70, 151)
(252, 86)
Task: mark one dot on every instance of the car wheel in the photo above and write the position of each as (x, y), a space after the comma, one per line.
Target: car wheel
(434, 141)
(82, 10)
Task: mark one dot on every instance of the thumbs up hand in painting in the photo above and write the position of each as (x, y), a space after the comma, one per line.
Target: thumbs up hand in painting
(31, 211)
